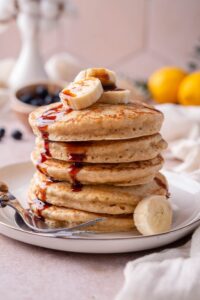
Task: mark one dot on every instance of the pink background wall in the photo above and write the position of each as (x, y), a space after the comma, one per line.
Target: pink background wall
(131, 36)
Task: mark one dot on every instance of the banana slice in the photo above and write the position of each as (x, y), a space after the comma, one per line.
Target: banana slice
(107, 77)
(82, 94)
(153, 215)
(116, 96)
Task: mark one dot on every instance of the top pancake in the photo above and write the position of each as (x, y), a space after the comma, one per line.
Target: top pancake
(98, 122)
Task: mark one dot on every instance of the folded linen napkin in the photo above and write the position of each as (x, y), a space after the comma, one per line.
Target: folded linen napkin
(182, 131)
(179, 120)
(188, 151)
(171, 274)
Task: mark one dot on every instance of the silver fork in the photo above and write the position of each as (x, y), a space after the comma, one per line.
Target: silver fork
(25, 216)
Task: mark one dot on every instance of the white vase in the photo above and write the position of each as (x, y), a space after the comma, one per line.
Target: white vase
(29, 66)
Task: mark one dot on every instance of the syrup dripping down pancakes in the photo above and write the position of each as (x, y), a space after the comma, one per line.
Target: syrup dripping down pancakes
(98, 161)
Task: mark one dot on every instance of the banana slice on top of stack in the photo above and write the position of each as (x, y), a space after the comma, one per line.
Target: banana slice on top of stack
(115, 96)
(107, 77)
(91, 86)
(83, 93)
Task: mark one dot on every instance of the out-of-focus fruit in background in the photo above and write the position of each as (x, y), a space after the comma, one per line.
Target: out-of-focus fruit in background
(164, 84)
(189, 90)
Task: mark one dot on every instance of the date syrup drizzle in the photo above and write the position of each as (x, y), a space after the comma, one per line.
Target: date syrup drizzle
(39, 203)
(76, 151)
(76, 154)
(73, 171)
(38, 206)
(46, 119)
(49, 117)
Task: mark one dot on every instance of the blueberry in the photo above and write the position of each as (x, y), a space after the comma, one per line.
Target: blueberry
(17, 135)
(37, 102)
(56, 99)
(41, 91)
(48, 100)
(26, 98)
(57, 92)
(41, 101)
(34, 102)
(2, 132)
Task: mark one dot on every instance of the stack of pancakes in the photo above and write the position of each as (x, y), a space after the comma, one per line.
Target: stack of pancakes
(98, 161)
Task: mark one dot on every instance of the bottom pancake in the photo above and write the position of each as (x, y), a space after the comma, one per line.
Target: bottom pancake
(97, 199)
(65, 217)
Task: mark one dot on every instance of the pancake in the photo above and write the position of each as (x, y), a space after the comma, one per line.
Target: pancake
(110, 224)
(113, 174)
(96, 199)
(98, 122)
(66, 217)
(117, 151)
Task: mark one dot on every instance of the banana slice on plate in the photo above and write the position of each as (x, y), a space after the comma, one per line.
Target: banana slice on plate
(82, 94)
(107, 77)
(153, 215)
(115, 96)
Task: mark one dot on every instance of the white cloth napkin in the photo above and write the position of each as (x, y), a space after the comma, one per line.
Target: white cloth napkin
(172, 274)
(182, 131)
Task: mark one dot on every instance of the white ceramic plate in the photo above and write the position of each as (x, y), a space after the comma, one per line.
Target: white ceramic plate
(184, 198)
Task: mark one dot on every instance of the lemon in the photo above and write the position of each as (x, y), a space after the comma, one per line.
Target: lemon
(164, 84)
(189, 90)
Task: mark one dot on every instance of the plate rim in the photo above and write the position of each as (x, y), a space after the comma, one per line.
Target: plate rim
(77, 237)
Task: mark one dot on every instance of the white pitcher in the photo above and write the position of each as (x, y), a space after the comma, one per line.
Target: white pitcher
(29, 66)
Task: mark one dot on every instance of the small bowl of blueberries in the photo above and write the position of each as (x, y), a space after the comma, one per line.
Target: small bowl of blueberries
(29, 97)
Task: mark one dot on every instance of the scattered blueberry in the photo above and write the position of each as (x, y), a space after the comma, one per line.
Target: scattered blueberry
(17, 135)
(2, 132)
